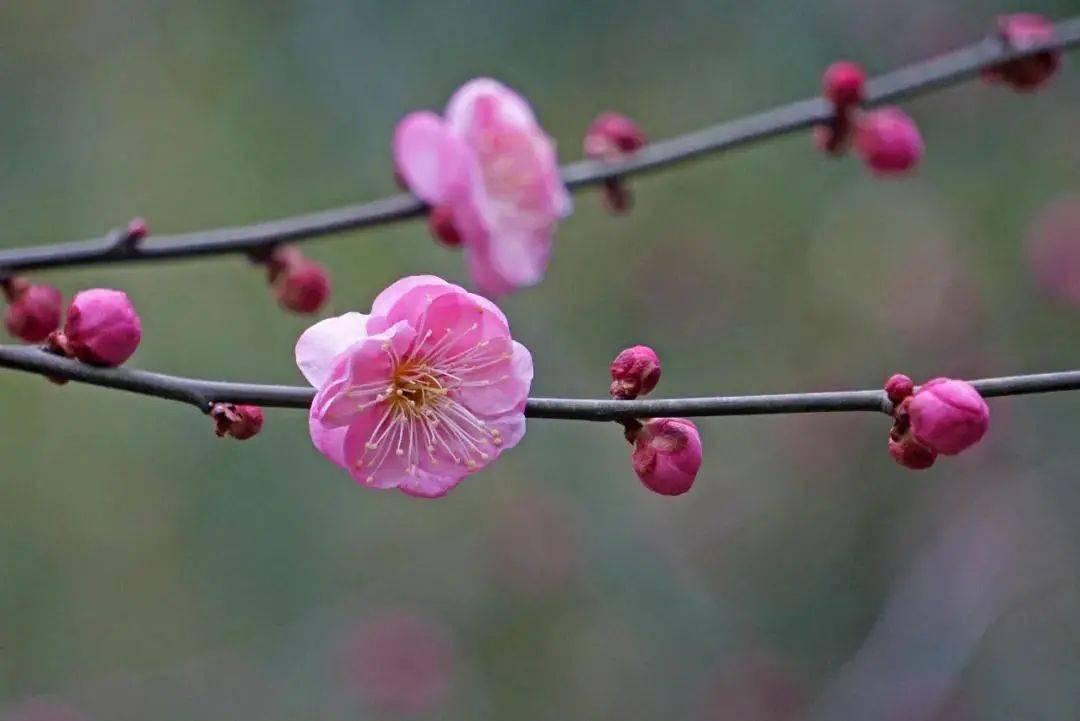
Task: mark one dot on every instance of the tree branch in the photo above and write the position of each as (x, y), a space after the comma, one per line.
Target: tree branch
(203, 393)
(912, 80)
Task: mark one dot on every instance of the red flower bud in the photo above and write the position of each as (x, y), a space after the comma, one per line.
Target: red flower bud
(1020, 31)
(634, 372)
(240, 422)
(888, 141)
(611, 136)
(102, 328)
(441, 226)
(844, 84)
(667, 455)
(300, 284)
(898, 387)
(34, 312)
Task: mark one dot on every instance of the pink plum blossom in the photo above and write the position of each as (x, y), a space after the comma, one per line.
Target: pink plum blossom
(489, 171)
(102, 328)
(667, 455)
(426, 389)
(888, 141)
(399, 662)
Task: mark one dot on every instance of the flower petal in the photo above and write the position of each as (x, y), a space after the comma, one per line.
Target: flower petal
(429, 159)
(321, 344)
(486, 96)
(499, 388)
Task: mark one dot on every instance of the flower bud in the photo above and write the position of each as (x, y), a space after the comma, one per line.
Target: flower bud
(240, 422)
(948, 415)
(667, 455)
(302, 285)
(611, 136)
(441, 226)
(102, 328)
(898, 387)
(34, 312)
(634, 372)
(844, 84)
(888, 141)
(909, 453)
(1017, 32)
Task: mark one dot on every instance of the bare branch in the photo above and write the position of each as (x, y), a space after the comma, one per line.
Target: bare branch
(909, 81)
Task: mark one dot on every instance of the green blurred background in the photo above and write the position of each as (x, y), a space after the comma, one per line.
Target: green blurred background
(151, 570)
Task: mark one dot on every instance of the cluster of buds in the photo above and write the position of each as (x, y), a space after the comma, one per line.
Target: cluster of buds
(236, 421)
(300, 284)
(612, 137)
(667, 451)
(943, 416)
(34, 311)
(887, 140)
(1019, 32)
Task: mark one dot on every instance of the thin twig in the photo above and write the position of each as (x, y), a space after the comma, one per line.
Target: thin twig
(203, 394)
(916, 79)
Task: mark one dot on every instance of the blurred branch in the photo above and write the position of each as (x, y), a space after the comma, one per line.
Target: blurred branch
(203, 394)
(916, 79)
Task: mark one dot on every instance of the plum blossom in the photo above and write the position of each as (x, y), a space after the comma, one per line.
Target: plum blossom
(491, 176)
(426, 389)
(102, 328)
(634, 372)
(1019, 32)
(35, 310)
(942, 416)
(667, 455)
(888, 141)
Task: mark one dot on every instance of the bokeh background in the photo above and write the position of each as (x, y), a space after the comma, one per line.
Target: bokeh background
(151, 570)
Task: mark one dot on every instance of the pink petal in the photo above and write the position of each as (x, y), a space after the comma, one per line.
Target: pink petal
(465, 318)
(385, 301)
(518, 256)
(487, 95)
(328, 441)
(321, 344)
(417, 141)
(510, 382)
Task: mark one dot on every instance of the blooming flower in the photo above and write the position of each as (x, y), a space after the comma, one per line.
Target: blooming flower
(667, 455)
(888, 141)
(102, 328)
(425, 390)
(493, 168)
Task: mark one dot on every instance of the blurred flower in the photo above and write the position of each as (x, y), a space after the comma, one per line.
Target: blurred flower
(1018, 32)
(611, 137)
(888, 141)
(102, 328)
(754, 687)
(667, 455)
(634, 372)
(240, 422)
(1054, 249)
(495, 171)
(399, 663)
(300, 284)
(534, 543)
(35, 310)
(427, 389)
(41, 709)
(843, 85)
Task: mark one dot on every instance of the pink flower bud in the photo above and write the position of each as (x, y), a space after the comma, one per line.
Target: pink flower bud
(34, 312)
(948, 415)
(844, 84)
(888, 141)
(898, 387)
(1020, 31)
(667, 455)
(634, 372)
(611, 136)
(240, 422)
(909, 453)
(441, 226)
(303, 286)
(102, 328)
